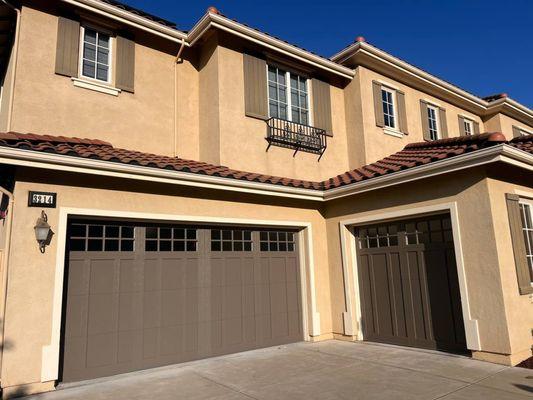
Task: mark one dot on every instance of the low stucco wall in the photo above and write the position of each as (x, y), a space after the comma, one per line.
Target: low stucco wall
(31, 274)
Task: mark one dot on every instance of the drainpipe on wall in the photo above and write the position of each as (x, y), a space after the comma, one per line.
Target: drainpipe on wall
(5, 263)
(177, 61)
(15, 61)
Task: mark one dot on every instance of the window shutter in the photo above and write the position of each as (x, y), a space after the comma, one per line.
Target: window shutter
(67, 47)
(378, 106)
(476, 127)
(462, 131)
(125, 75)
(516, 131)
(402, 112)
(425, 120)
(443, 123)
(322, 105)
(519, 246)
(255, 87)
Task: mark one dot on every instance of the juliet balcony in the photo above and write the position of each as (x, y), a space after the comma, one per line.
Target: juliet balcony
(295, 136)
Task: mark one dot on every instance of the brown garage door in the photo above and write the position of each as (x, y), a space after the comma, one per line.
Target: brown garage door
(142, 296)
(409, 287)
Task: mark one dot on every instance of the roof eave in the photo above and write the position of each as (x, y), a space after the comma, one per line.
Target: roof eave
(130, 19)
(213, 20)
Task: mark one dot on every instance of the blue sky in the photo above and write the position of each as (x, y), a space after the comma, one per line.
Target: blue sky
(483, 46)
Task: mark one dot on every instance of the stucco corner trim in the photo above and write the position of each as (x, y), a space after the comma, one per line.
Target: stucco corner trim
(350, 266)
(310, 318)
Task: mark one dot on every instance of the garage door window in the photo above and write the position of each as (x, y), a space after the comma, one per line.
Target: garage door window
(379, 236)
(432, 231)
(100, 237)
(276, 241)
(231, 240)
(170, 239)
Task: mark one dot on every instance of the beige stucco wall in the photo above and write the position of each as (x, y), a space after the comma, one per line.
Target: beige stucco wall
(503, 123)
(518, 308)
(481, 251)
(242, 143)
(31, 274)
(378, 144)
(7, 91)
(47, 103)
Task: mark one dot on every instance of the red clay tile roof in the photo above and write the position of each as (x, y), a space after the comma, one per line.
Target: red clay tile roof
(412, 155)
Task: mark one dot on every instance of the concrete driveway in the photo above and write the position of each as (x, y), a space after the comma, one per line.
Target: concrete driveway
(326, 371)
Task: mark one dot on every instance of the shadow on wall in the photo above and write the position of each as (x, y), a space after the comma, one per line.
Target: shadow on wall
(6, 346)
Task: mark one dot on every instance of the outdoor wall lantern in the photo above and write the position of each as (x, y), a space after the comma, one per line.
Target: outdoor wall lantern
(42, 231)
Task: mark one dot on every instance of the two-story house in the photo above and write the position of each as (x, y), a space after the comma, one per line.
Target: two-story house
(233, 191)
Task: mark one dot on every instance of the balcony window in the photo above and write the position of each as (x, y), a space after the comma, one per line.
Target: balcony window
(293, 107)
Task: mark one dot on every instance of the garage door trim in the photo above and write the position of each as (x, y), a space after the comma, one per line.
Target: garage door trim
(353, 312)
(310, 316)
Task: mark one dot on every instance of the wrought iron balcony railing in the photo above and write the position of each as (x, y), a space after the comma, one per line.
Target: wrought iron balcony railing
(296, 136)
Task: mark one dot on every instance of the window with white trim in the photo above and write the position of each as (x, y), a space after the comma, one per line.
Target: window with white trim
(469, 126)
(523, 132)
(433, 122)
(526, 214)
(95, 55)
(389, 107)
(293, 107)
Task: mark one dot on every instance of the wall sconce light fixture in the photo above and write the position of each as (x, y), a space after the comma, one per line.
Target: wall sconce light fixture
(42, 231)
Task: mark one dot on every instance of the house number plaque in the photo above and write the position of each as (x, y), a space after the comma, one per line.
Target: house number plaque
(42, 199)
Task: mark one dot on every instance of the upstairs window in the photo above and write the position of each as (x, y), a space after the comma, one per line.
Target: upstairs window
(293, 107)
(526, 214)
(389, 113)
(469, 126)
(433, 122)
(95, 55)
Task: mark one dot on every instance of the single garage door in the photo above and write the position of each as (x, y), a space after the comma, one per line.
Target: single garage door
(142, 295)
(409, 286)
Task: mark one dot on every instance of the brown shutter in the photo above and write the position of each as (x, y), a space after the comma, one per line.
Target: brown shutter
(476, 127)
(255, 87)
(67, 47)
(443, 123)
(462, 131)
(402, 112)
(378, 106)
(519, 246)
(125, 75)
(516, 131)
(322, 105)
(425, 120)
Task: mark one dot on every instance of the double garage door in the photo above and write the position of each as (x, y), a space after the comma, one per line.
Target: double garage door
(145, 295)
(409, 286)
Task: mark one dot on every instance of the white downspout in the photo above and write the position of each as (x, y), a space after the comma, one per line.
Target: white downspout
(15, 62)
(5, 264)
(177, 61)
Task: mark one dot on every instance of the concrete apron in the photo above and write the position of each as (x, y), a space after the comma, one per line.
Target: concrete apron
(323, 370)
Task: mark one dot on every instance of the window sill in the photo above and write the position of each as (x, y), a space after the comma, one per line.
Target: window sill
(393, 132)
(97, 87)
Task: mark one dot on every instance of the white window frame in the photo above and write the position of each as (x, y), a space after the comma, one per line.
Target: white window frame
(289, 99)
(470, 124)
(528, 243)
(110, 59)
(524, 132)
(435, 109)
(394, 108)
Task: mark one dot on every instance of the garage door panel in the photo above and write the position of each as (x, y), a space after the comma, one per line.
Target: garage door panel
(102, 349)
(156, 303)
(79, 275)
(130, 345)
(77, 311)
(421, 296)
(381, 294)
(103, 313)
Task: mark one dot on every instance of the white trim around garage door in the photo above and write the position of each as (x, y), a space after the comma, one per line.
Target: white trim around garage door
(353, 312)
(310, 316)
